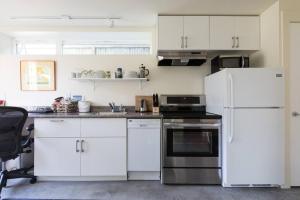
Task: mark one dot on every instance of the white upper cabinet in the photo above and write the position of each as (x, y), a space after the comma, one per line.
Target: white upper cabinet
(234, 33)
(183, 32)
(222, 32)
(208, 33)
(170, 32)
(248, 33)
(196, 32)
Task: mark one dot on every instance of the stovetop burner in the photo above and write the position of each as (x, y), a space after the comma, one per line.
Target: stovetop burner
(185, 107)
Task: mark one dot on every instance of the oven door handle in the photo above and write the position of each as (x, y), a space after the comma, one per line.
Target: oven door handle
(172, 125)
(208, 138)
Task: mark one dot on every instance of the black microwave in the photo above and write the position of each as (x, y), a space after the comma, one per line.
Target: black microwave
(234, 61)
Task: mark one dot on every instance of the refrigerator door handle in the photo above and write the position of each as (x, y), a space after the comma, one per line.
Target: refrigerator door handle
(231, 132)
(231, 90)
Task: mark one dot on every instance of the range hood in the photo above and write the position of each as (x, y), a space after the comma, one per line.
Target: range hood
(181, 58)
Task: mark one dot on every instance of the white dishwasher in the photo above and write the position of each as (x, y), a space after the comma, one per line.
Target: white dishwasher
(144, 149)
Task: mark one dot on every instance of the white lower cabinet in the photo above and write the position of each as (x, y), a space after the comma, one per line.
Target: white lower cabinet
(103, 154)
(104, 157)
(56, 157)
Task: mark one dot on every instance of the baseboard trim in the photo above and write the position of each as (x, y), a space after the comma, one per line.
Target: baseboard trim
(82, 178)
(149, 176)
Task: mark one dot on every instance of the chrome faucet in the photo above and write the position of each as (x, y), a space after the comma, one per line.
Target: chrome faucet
(115, 108)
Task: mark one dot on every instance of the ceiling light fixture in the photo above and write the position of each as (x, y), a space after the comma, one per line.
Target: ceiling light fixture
(63, 17)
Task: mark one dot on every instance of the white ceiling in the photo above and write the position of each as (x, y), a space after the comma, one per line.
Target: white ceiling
(132, 12)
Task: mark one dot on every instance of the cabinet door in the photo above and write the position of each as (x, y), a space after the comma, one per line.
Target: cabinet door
(222, 31)
(56, 157)
(170, 32)
(104, 157)
(248, 33)
(196, 32)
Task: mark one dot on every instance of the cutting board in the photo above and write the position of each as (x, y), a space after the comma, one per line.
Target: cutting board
(149, 103)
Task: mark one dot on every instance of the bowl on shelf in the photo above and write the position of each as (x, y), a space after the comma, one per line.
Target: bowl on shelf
(131, 74)
(99, 74)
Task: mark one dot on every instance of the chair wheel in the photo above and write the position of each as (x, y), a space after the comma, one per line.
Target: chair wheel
(33, 180)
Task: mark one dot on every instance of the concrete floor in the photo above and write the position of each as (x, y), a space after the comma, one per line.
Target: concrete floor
(140, 190)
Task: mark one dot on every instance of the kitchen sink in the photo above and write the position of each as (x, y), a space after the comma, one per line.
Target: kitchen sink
(112, 113)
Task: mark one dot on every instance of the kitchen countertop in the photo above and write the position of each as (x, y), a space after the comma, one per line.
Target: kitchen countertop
(133, 115)
(128, 115)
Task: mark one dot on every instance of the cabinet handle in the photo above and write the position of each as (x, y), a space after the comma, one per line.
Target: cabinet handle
(295, 114)
(238, 42)
(56, 120)
(233, 42)
(81, 145)
(77, 150)
(186, 42)
(182, 42)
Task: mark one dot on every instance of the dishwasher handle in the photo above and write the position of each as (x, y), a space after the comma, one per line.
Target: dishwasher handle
(147, 124)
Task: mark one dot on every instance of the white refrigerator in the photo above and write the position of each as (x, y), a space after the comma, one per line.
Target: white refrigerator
(251, 102)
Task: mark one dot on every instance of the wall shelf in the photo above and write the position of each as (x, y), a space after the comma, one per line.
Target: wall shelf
(94, 80)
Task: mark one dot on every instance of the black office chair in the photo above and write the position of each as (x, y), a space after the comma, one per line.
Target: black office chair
(12, 143)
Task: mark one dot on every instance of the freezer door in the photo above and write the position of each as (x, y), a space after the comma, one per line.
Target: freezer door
(255, 87)
(253, 147)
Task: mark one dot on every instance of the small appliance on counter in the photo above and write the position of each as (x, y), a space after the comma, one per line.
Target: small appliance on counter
(229, 61)
(143, 107)
(84, 106)
(143, 103)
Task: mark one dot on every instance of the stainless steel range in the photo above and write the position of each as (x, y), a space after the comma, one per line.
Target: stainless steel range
(191, 141)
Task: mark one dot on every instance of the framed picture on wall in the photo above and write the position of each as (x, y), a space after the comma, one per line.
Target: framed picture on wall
(37, 75)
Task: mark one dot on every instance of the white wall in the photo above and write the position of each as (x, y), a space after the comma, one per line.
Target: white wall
(269, 56)
(290, 12)
(163, 80)
(6, 44)
(289, 5)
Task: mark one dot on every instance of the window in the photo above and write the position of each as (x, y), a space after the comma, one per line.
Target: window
(36, 48)
(106, 49)
(83, 43)
(78, 50)
(123, 50)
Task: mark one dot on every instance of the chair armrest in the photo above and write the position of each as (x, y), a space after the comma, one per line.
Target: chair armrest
(27, 138)
(30, 128)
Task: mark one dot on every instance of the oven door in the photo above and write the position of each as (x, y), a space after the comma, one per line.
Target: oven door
(191, 145)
